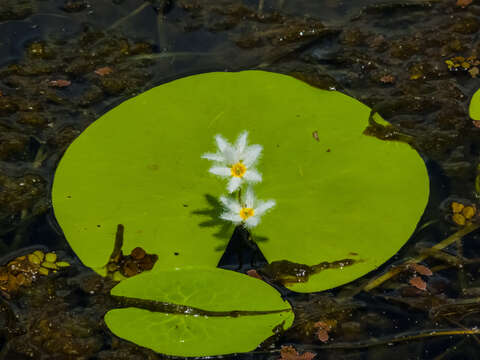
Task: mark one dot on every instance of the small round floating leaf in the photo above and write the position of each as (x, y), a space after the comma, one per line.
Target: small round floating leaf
(339, 195)
(475, 106)
(213, 290)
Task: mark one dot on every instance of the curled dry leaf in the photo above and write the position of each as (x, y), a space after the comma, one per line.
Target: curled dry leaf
(418, 282)
(104, 71)
(463, 3)
(476, 123)
(290, 353)
(59, 83)
(387, 79)
(322, 335)
(254, 273)
(420, 269)
(323, 328)
(315, 135)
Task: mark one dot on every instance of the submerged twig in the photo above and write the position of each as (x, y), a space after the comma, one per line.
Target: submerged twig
(403, 337)
(125, 18)
(441, 245)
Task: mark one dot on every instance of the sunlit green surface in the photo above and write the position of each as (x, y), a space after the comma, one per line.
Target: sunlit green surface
(194, 335)
(139, 165)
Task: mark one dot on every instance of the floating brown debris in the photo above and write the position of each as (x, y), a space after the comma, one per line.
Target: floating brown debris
(59, 83)
(324, 327)
(418, 282)
(106, 70)
(121, 265)
(25, 269)
(290, 353)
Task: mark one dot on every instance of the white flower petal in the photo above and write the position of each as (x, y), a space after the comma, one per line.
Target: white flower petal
(249, 198)
(214, 157)
(222, 171)
(251, 155)
(230, 204)
(263, 207)
(234, 184)
(252, 221)
(221, 143)
(230, 216)
(231, 156)
(252, 176)
(241, 142)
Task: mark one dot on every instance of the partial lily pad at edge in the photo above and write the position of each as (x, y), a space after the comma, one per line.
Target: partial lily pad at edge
(475, 106)
(190, 334)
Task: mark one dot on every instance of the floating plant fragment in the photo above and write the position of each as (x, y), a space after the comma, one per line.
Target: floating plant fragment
(139, 165)
(219, 312)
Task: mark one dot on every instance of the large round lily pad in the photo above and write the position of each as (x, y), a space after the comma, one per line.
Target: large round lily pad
(340, 194)
(223, 293)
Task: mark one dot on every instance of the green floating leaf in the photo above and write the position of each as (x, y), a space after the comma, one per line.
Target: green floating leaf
(214, 290)
(340, 194)
(475, 106)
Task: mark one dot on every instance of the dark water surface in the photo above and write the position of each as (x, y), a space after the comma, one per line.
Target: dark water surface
(390, 55)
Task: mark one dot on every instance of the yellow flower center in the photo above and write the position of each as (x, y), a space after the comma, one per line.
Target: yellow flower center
(238, 169)
(245, 213)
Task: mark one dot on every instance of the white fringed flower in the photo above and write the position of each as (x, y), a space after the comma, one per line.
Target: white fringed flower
(248, 212)
(235, 162)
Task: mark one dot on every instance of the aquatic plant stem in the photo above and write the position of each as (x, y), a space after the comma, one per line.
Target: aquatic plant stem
(129, 15)
(169, 308)
(441, 245)
(403, 337)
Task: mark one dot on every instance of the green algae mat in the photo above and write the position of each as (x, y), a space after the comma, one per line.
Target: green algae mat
(339, 194)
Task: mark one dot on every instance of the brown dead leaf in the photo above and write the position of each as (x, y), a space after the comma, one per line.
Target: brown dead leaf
(290, 353)
(418, 282)
(254, 273)
(323, 328)
(387, 79)
(322, 335)
(421, 269)
(463, 3)
(476, 123)
(59, 83)
(106, 70)
(315, 135)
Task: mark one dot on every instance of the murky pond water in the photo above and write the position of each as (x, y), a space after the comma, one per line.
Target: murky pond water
(390, 55)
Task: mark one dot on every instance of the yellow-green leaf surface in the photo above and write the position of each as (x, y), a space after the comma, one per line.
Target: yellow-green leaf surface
(213, 290)
(475, 106)
(338, 193)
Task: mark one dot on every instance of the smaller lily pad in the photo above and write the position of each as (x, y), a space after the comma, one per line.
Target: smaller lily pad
(229, 312)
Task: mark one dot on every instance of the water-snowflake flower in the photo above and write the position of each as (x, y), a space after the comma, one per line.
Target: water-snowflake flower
(247, 212)
(235, 162)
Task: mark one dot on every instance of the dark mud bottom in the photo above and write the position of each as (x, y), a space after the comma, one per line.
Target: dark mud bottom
(392, 57)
